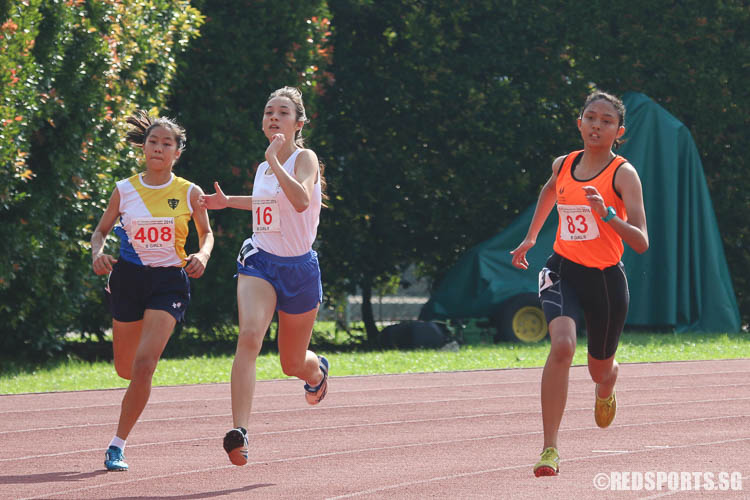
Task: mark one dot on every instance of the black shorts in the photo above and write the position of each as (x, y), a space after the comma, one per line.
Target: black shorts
(132, 288)
(600, 296)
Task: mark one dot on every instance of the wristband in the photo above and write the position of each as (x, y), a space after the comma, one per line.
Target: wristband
(610, 214)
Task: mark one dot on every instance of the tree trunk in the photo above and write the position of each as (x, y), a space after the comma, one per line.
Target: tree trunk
(367, 316)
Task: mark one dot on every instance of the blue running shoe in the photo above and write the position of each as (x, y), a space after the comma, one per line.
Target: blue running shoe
(235, 444)
(315, 395)
(114, 459)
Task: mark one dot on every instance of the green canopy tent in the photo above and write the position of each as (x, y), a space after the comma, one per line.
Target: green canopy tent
(682, 282)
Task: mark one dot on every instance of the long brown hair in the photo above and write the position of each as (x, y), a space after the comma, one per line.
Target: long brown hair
(294, 95)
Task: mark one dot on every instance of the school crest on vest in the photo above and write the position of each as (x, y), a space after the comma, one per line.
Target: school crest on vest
(173, 202)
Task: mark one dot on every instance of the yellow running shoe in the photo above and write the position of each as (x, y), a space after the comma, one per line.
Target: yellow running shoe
(604, 409)
(549, 464)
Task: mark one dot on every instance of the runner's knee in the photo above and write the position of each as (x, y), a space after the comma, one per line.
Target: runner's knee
(292, 366)
(144, 367)
(250, 341)
(123, 368)
(563, 349)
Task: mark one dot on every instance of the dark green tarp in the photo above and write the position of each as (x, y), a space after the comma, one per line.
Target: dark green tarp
(681, 282)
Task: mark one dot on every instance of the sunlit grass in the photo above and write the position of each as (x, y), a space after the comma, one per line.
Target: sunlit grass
(72, 374)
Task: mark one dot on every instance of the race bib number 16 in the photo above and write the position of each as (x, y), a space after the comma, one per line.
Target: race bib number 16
(577, 223)
(266, 215)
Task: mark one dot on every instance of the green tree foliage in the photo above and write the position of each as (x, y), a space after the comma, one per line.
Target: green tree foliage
(247, 50)
(70, 71)
(442, 123)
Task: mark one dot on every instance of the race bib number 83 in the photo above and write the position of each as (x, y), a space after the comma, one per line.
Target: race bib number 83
(152, 232)
(577, 223)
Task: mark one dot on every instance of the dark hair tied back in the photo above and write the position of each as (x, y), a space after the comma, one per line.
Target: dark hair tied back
(598, 95)
(142, 124)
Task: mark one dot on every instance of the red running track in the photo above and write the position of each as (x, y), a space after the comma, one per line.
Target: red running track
(460, 435)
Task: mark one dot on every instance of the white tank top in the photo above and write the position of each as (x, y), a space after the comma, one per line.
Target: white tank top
(298, 230)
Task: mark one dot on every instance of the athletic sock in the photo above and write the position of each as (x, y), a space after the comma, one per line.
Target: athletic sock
(120, 443)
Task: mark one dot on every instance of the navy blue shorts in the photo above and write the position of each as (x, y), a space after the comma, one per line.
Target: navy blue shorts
(295, 279)
(600, 296)
(132, 288)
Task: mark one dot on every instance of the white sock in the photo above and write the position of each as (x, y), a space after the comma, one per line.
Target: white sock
(120, 443)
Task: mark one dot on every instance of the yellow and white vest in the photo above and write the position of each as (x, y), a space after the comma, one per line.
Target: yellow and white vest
(154, 221)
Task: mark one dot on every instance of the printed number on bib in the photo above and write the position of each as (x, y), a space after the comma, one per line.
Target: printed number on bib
(577, 223)
(152, 232)
(266, 215)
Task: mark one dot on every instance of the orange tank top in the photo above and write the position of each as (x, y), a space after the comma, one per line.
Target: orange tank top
(582, 236)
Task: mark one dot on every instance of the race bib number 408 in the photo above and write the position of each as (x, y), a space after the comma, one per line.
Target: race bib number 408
(152, 232)
(577, 223)
(266, 215)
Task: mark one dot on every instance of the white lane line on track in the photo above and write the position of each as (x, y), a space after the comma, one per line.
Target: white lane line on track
(393, 422)
(512, 467)
(339, 407)
(369, 450)
(295, 395)
(111, 405)
(345, 391)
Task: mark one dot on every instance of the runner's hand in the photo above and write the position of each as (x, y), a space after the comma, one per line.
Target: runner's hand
(102, 264)
(216, 201)
(196, 264)
(519, 254)
(277, 141)
(596, 201)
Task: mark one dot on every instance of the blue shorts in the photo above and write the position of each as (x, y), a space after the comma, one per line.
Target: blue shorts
(132, 288)
(295, 279)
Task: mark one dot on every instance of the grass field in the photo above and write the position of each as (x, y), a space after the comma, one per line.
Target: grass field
(74, 374)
